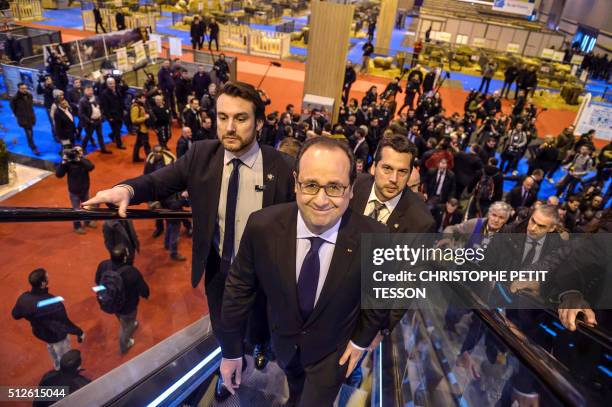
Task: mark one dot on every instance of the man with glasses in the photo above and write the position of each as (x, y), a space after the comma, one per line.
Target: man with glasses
(310, 276)
(227, 180)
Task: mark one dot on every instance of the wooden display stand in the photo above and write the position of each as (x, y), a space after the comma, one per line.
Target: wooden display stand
(385, 24)
(26, 10)
(55, 4)
(241, 38)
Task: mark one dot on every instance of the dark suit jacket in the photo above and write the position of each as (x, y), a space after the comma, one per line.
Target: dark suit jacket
(448, 186)
(438, 214)
(409, 216)
(64, 126)
(199, 172)
(121, 232)
(363, 152)
(269, 264)
(466, 166)
(515, 198)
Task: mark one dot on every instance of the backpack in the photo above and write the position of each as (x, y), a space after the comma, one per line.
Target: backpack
(485, 188)
(111, 299)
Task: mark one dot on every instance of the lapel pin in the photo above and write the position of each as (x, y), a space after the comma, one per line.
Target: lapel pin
(396, 225)
(349, 250)
(270, 177)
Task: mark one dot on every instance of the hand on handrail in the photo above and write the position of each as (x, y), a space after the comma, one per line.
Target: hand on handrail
(119, 196)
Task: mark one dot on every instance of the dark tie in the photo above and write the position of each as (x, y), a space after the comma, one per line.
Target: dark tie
(309, 278)
(525, 194)
(230, 217)
(440, 174)
(378, 206)
(531, 253)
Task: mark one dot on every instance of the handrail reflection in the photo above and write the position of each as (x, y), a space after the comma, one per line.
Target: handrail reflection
(547, 369)
(30, 214)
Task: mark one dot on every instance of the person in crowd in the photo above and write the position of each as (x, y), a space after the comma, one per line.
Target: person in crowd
(487, 74)
(111, 101)
(361, 149)
(120, 20)
(368, 50)
(13, 48)
(523, 195)
(162, 117)
(166, 85)
(200, 82)
(439, 184)
(545, 158)
(193, 119)
(466, 166)
(90, 115)
(47, 315)
(140, 117)
(78, 168)
(183, 91)
(447, 214)
(124, 285)
(63, 119)
(222, 69)
(235, 162)
(45, 88)
(315, 370)
(98, 18)
(69, 375)
(121, 232)
(510, 75)
(487, 187)
(213, 34)
(516, 140)
(196, 32)
(577, 169)
(74, 95)
(22, 106)
(349, 78)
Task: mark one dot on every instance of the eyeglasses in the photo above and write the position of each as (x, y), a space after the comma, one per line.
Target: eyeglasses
(331, 190)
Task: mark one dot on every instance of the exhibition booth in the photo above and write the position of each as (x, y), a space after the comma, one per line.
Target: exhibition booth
(135, 15)
(31, 40)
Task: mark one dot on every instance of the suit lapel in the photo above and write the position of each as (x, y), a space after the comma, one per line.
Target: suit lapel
(347, 247)
(269, 177)
(212, 180)
(395, 219)
(285, 255)
(361, 194)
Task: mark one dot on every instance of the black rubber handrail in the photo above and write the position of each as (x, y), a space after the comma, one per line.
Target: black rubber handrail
(26, 214)
(546, 368)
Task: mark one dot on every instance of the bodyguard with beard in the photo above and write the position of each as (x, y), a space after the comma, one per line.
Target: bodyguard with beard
(227, 179)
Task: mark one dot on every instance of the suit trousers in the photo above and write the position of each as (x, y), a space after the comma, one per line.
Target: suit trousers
(89, 130)
(258, 331)
(57, 350)
(316, 384)
(142, 140)
(115, 126)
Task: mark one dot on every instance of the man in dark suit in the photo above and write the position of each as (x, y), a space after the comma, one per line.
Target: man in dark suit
(121, 233)
(349, 78)
(309, 277)
(227, 179)
(112, 108)
(523, 195)
(440, 183)
(447, 214)
(467, 165)
(361, 149)
(386, 198)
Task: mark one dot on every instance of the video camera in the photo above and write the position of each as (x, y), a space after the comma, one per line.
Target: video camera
(72, 154)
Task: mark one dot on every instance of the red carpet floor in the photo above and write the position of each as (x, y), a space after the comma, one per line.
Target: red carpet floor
(71, 259)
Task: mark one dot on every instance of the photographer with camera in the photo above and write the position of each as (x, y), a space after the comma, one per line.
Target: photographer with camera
(22, 106)
(46, 87)
(78, 168)
(58, 67)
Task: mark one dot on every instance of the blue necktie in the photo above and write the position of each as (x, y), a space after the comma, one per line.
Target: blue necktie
(309, 278)
(230, 217)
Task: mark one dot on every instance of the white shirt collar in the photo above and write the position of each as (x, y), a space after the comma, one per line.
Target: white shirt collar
(390, 204)
(247, 158)
(330, 235)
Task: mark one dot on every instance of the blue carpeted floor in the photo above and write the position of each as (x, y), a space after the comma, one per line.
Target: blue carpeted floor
(16, 140)
(68, 18)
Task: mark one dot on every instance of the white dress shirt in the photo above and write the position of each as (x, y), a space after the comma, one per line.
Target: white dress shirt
(440, 181)
(250, 198)
(385, 212)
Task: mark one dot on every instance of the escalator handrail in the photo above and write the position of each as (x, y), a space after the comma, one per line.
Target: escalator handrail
(546, 368)
(593, 332)
(30, 214)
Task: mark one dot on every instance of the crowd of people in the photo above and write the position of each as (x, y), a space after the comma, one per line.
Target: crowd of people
(412, 167)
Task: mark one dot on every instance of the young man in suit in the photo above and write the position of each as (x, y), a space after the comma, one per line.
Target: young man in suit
(440, 184)
(386, 198)
(523, 195)
(227, 179)
(311, 279)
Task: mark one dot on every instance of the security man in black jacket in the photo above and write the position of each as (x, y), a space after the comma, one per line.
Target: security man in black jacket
(49, 320)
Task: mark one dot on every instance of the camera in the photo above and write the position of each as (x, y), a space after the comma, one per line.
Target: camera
(42, 76)
(71, 154)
